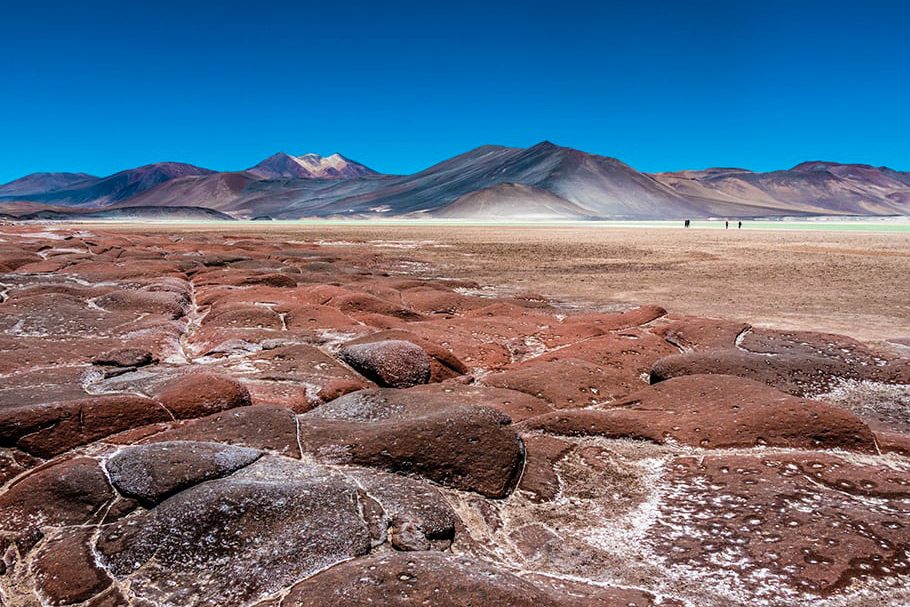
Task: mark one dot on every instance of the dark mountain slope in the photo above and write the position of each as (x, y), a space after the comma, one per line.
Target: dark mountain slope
(512, 201)
(37, 183)
(117, 187)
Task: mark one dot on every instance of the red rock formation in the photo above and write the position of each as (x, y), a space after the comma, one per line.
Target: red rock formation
(199, 419)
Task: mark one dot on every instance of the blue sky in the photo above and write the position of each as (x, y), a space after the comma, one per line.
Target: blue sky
(102, 86)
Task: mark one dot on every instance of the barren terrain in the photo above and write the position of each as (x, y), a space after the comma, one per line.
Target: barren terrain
(848, 282)
(270, 415)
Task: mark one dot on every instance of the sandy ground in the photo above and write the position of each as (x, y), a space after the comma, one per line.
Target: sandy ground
(843, 282)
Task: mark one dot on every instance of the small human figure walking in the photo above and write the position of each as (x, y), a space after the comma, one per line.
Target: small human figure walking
(726, 225)
(739, 226)
(686, 223)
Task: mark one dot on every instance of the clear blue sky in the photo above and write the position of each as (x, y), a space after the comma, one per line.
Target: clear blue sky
(102, 86)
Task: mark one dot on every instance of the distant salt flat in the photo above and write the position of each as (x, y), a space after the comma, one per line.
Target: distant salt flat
(815, 224)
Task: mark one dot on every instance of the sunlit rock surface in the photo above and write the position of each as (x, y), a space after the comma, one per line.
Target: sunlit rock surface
(212, 419)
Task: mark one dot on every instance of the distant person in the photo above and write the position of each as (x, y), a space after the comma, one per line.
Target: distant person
(686, 223)
(739, 226)
(726, 225)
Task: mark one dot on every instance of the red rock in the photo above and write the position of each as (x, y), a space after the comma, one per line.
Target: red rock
(49, 430)
(626, 356)
(510, 314)
(363, 303)
(378, 321)
(800, 363)
(218, 295)
(626, 319)
(716, 411)
(77, 291)
(579, 384)
(893, 442)
(200, 394)
(235, 540)
(260, 427)
(692, 333)
(777, 530)
(68, 492)
(12, 260)
(440, 580)
(38, 385)
(390, 363)
(474, 349)
(443, 364)
(313, 317)
(243, 316)
(213, 259)
(470, 448)
(539, 477)
(125, 357)
(578, 594)
(810, 344)
(516, 405)
(297, 371)
(55, 315)
(419, 516)
(65, 568)
(797, 375)
(99, 271)
(430, 300)
(150, 473)
(13, 463)
(170, 305)
(112, 597)
(272, 279)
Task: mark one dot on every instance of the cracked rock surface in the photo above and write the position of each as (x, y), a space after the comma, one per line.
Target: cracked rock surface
(220, 419)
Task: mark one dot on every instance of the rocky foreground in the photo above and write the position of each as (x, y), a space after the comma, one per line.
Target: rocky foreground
(225, 420)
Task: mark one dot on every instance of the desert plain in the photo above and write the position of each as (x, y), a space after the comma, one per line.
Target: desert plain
(286, 414)
(839, 277)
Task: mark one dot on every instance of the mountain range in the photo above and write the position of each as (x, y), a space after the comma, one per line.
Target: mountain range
(545, 181)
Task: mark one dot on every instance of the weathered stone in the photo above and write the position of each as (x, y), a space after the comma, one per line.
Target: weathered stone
(801, 363)
(235, 540)
(579, 384)
(260, 427)
(725, 411)
(443, 364)
(717, 411)
(65, 568)
(298, 376)
(419, 516)
(243, 316)
(13, 463)
(168, 304)
(416, 579)
(471, 448)
(125, 357)
(440, 580)
(200, 394)
(360, 303)
(391, 363)
(792, 522)
(49, 430)
(69, 492)
(59, 314)
(539, 478)
(691, 333)
(517, 405)
(152, 472)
